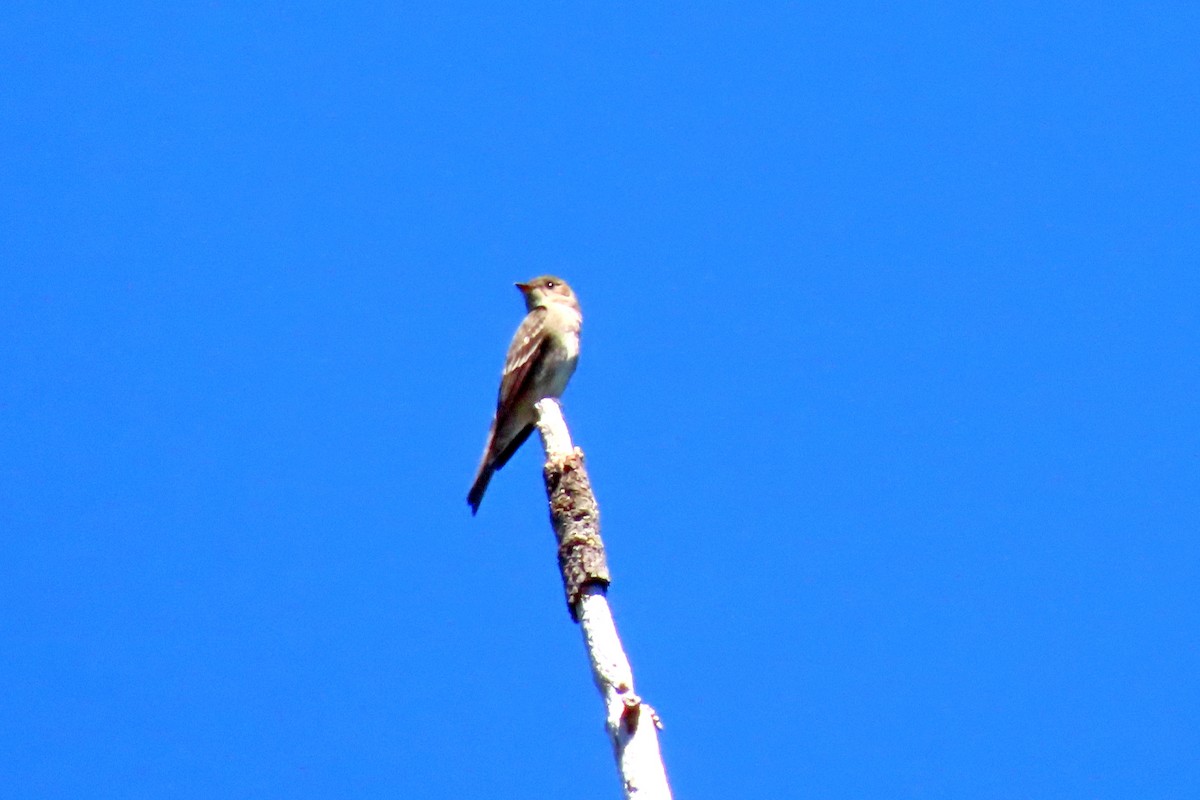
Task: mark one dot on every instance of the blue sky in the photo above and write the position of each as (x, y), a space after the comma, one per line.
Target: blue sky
(888, 392)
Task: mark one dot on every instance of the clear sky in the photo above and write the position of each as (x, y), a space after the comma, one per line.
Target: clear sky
(888, 390)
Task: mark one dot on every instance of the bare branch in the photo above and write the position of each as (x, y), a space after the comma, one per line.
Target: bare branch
(632, 724)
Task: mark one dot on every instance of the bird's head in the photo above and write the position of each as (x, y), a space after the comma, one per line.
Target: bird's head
(543, 290)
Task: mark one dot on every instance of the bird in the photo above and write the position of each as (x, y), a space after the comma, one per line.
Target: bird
(540, 362)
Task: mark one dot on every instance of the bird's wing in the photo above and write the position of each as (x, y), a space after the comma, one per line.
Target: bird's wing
(522, 355)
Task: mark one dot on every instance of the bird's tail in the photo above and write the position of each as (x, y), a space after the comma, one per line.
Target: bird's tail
(482, 479)
(483, 475)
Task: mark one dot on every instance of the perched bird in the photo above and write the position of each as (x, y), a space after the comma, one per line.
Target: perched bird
(540, 361)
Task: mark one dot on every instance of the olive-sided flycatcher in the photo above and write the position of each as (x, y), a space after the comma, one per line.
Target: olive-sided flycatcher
(540, 361)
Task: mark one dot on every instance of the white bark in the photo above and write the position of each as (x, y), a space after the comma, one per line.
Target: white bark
(632, 725)
(556, 439)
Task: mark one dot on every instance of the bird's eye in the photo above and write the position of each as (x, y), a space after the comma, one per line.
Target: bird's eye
(550, 284)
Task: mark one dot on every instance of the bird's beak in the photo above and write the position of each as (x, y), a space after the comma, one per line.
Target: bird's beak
(524, 287)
